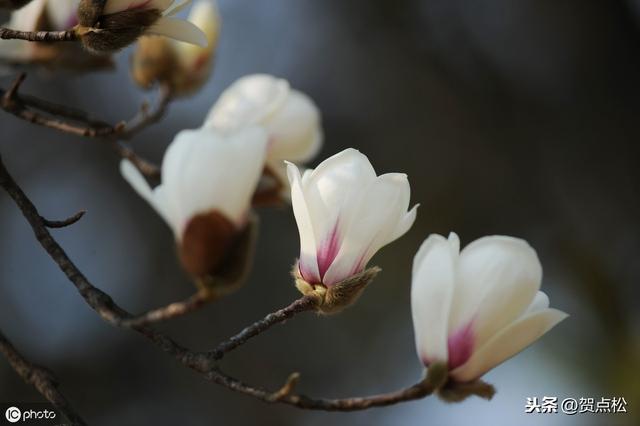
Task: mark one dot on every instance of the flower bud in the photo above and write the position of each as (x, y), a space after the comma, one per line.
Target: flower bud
(345, 214)
(110, 25)
(474, 309)
(181, 67)
(290, 117)
(333, 299)
(207, 183)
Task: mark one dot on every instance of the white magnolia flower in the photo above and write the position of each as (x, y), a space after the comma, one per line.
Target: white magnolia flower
(345, 214)
(57, 14)
(204, 171)
(474, 309)
(290, 117)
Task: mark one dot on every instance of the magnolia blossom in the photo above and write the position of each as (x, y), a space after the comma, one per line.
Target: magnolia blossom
(290, 117)
(183, 67)
(53, 15)
(473, 309)
(208, 179)
(345, 214)
(113, 24)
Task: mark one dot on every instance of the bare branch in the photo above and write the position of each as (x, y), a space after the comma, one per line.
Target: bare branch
(39, 378)
(80, 123)
(22, 108)
(303, 304)
(202, 362)
(173, 310)
(68, 35)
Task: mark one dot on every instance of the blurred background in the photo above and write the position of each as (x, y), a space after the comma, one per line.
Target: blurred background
(516, 118)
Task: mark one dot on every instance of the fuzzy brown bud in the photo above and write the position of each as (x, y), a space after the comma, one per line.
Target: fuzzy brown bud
(334, 298)
(154, 60)
(109, 33)
(457, 392)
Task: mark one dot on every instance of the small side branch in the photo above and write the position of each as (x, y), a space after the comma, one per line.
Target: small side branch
(173, 310)
(80, 123)
(64, 223)
(417, 391)
(39, 378)
(303, 304)
(50, 36)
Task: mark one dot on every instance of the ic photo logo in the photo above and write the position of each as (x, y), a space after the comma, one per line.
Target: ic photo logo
(34, 414)
(13, 414)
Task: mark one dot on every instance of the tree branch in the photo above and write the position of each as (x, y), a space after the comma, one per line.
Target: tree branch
(202, 362)
(79, 123)
(170, 311)
(39, 378)
(68, 35)
(303, 304)
(64, 223)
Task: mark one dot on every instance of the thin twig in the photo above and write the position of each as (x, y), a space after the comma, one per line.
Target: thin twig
(68, 35)
(145, 117)
(173, 310)
(104, 305)
(64, 223)
(77, 122)
(305, 303)
(39, 378)
(22, 108)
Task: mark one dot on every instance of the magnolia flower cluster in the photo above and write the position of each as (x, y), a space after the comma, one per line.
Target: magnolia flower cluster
(181, 67)
(472, 309)
(110, 25)
(210, 175)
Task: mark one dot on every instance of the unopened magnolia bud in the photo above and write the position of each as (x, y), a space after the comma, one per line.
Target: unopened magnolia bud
(13, 4)
(235, 264)
(154, 60)
(181, 67)
(115, 31)
(334, 298)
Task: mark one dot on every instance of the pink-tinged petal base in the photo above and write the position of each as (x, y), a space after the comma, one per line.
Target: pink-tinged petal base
(328, 251)
(460, 345)
(307, 273)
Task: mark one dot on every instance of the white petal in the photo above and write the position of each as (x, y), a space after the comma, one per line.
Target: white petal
(63, 14)
(249, 100)
(221, 171)
(27, 17)
(156, 198)
(294, 129)
(432, 287)
(174, 162)
(540, 302)
(498, 279)
(330, 186)
(367, 222)
(178, 29)
(507, 343)
(308, 244)
(171, 9)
